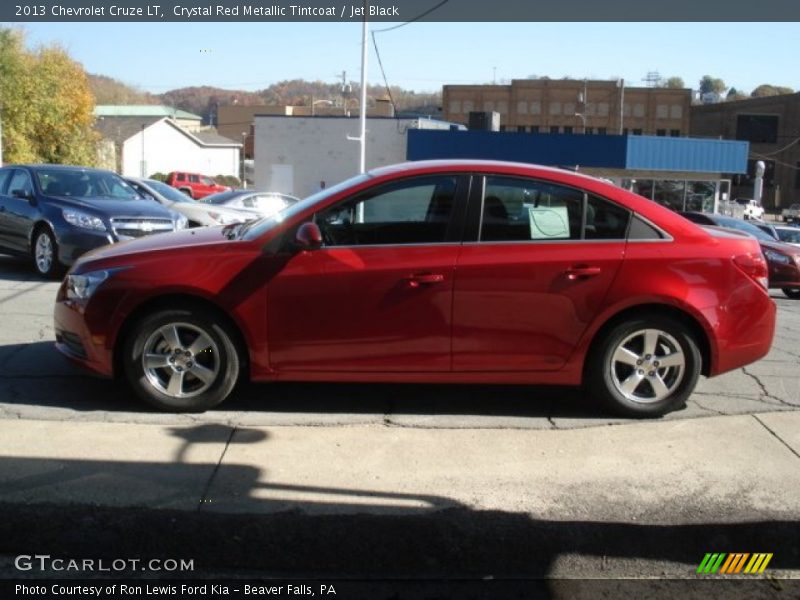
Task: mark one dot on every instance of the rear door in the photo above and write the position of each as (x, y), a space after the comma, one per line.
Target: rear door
(378, 295)
(533, 275)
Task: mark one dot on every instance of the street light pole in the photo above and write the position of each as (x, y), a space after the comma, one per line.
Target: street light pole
(362, 163)
(244, 145)
(142, 167)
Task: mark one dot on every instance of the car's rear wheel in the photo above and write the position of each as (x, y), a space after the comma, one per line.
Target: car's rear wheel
(44, 252)
(181, 360)
(187, 191)
(645, 367)
(793, 293)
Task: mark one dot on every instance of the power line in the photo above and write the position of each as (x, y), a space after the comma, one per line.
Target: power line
(417, 18)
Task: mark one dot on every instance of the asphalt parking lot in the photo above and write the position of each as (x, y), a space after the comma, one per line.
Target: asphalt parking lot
(490, 480)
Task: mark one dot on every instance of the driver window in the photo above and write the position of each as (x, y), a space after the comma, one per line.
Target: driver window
(20, 181)
(415, 211)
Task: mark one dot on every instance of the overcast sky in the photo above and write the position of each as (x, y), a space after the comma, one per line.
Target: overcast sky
(423, 56)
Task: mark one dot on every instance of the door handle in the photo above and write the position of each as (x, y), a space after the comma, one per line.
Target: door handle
(419, 279)
(574, 273)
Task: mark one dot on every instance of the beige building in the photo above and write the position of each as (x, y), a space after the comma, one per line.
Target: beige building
(573, 106)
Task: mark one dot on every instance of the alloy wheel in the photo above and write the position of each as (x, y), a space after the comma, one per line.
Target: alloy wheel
(43, 252)
(647, 366)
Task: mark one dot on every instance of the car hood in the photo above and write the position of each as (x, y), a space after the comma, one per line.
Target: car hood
(113, 207)
(186, 238)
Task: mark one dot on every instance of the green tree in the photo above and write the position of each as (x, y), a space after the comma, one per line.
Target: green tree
(47, 107)
(710, 84)
(734, 94)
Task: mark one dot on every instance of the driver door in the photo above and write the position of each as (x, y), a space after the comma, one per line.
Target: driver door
(377, 297)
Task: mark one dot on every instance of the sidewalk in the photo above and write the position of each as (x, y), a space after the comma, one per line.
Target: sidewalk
(649, 495)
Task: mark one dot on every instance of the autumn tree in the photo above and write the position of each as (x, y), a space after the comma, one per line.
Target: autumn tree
(766, 89)
(674, 83)
(47, 108)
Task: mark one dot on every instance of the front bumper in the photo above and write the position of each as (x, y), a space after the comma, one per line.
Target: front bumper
(73, 243)
(76, 342)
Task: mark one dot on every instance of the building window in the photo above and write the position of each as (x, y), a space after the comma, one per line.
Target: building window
(455, 107)
(536, 108)
(569, 108)
(676, 111)
(675, 132)
(553, 128)
(521, 128)
(522, 107)
(468, 106)
(502, 107)
(662, 111)
(637, 132)
(759, 129)
(588, 130)
(627, 110)
(591, 109)
(625, 131)
(555, 108)
(602, 130)
(638, 109)
(602, 109)
(661, 132)
(534, 129)
(488, 105)
(502, 127)
(567, 129)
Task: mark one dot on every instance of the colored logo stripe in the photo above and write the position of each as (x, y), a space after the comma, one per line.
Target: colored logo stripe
(731, 564)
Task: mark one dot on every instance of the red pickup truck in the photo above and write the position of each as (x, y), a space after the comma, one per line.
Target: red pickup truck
(194, 185)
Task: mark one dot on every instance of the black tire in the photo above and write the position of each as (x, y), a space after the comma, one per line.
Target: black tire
(607, 376)
(218, 357)
(793, 293)
(49, 269)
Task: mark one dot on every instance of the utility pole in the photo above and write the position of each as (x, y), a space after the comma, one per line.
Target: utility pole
(621, 103)
(363, 110)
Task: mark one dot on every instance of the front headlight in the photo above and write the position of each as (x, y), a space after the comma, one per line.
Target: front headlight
(181, 222)
(224, 219)
(81, 287)
(83, 220)
(778, 257)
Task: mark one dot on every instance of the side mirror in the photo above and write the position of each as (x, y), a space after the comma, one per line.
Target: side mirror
(22, 194)
(308, 237)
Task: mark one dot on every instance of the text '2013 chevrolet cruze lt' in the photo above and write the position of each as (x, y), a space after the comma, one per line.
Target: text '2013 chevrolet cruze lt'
(441, 271)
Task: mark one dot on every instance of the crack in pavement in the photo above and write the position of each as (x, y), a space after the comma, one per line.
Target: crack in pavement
(777, 437)
(764, 392)
(711, 410)
(204, 497)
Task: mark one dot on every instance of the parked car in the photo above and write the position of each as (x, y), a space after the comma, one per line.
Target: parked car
(768, 228)
(54, 213)
(752, 209)
(788, 235)
(265, 203)
(783, 259)
(194, 185)
(431, 271)
(197, 213)
(791, 214)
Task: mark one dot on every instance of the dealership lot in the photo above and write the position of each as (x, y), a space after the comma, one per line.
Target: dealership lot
(479, 457)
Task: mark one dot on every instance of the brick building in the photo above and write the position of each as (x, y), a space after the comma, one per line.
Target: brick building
(573, 106)
(772, 126)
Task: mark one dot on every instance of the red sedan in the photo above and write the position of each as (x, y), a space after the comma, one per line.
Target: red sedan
(443, 271)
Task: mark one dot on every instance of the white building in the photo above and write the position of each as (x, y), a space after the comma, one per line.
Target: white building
(294, 154)
(141, 146)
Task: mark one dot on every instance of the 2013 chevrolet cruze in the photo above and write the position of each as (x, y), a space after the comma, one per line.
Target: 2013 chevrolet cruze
(444, 271)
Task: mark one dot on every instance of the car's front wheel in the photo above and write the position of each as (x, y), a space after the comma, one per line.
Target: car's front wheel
(181, 360)
(45, 253)
(645, 367)
(793, 293)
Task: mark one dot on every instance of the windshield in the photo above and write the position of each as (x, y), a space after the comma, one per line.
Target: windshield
(790, 236)
(221, 197)
(79, 183)
(169, 192)
(744, 226)
(255, 229)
